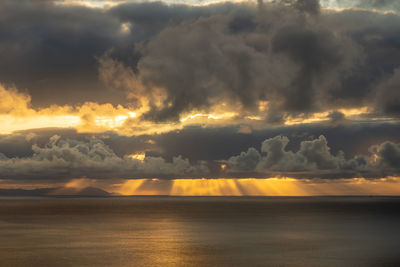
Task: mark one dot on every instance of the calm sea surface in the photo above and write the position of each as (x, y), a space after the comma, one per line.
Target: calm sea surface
(167, 231)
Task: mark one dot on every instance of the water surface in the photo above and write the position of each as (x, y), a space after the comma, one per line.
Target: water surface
(182, 231)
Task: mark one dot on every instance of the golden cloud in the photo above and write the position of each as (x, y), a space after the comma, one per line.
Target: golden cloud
(16, 113)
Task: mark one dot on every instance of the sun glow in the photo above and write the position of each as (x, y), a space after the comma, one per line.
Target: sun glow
(11, 123)
(110, 122)
(89, 3)
(226, 115)
(259, 187)
(17, 113)
(139, 156)
(80, 183)
(351, 113)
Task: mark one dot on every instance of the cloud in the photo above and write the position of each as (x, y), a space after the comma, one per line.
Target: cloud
(312, 155)
(336, 117)
(386, 155)
(17, 113)
(338, 60)
(66, 158)
(310, 6)
(388, 95)
(213, 143)
(384, 5)
(207, 82)
(245, 160)
(314, 159)
(13, 102)
(249, 57)
(320, 56)
(59, 159)
(49, 49)
(340, 56)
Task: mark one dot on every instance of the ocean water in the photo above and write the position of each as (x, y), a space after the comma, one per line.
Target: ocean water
(204, 231)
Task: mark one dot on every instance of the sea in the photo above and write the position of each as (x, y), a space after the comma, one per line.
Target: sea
(200, 231)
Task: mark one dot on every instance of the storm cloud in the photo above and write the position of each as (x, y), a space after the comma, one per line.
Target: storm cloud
(297, 88)
(294, 54)
(66, 158)
(315, 158)
(61, 158)
(242, 57)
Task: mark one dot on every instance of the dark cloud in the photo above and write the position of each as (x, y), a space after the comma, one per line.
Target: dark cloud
(387, 155)
(310, 6)
(317, 52)
(216, 143)
(312, 155)
(199, 143)
(50, 50)
(384, 5)
(20, 143)
(150, 18)
(243, 59)
(388, 95)
(377, 35)
(291, 53)
(62, 159)
(299, 63)
(336, 117)
(41, 155)
(65, 158)
(314, 159)
(245, 160)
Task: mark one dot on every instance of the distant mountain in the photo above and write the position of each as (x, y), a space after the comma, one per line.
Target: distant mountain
(60, 191)
(93, 191)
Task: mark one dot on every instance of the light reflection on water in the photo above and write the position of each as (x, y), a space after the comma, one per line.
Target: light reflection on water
(166, 231)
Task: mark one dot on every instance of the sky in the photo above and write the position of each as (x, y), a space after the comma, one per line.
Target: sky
(290, 97)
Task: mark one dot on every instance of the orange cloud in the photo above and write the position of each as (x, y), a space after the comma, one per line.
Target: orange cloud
(16, 114)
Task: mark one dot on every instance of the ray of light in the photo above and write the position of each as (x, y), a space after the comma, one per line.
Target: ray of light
(260, 187)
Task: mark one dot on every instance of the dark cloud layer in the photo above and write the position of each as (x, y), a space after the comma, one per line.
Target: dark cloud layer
(242, 58)
(50, 50)
(296, 151)
(66, 158)
(299, 59)
(388, 95)
(62, 159)
(213, 143)
(314, 159)
(297, 56)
